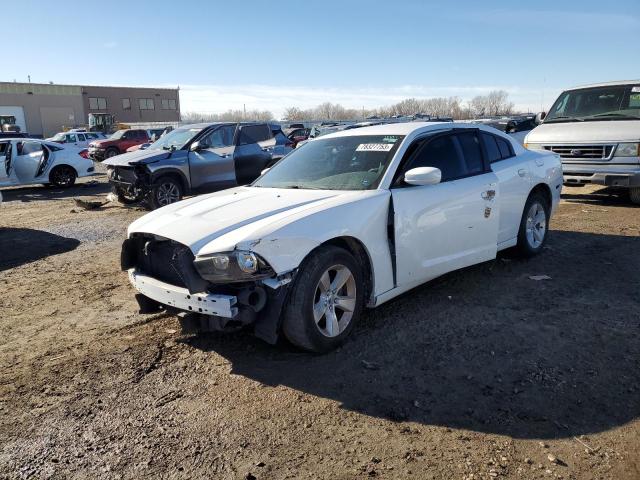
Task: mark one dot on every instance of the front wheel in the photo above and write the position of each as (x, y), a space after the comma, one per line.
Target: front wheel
(111, 152)
(63, 176)
(166, 190)
(124, 197)
(534, 225)
(326, 300)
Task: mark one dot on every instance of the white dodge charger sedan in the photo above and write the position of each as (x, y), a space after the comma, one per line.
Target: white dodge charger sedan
(352, 219)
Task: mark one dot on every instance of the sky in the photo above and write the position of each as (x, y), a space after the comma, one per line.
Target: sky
(270, 55)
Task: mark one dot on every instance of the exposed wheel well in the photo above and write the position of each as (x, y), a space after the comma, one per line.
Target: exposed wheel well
(63, 165)
(358, 250)
(545, 191)
(175, 175)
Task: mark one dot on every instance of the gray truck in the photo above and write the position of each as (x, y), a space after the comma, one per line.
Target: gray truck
(196, 158)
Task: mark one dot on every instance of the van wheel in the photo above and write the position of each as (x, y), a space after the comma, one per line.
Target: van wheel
(634, 195)
(63, 176)
(326, 300)
(166, 190)
(534, 225)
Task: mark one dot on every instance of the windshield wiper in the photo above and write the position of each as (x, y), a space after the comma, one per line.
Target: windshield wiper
(565, 118)
(616, 115)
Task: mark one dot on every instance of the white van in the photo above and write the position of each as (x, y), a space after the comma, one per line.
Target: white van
(596, 131)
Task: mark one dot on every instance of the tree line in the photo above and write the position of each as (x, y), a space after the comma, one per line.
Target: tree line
(494, 103)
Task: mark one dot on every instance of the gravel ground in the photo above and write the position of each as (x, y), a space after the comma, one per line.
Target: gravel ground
(482, 373)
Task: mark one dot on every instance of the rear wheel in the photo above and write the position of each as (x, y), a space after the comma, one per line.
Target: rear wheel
(634, 195)
(533, 225)
(166, 190)
(326, 300)
(63, 176)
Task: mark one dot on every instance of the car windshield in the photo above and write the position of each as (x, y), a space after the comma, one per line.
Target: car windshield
(58, 137)
(117, 135)
(340, 163)
(177, 139)
(616, 102)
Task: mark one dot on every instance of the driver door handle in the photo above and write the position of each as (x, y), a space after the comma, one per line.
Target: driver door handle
(489, 195)
(522, 172)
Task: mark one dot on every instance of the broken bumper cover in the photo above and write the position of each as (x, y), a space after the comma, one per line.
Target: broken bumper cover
(180, 298)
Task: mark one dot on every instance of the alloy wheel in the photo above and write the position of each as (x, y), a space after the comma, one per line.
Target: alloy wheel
(167, 193)
(536, 227)
(334, 300)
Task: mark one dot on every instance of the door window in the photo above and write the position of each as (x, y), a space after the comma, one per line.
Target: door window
(30, 147)
(443, 153)
(70, 138)
(220, 137)
(81, 137)
(254, 134)
(497, 148)
(471, 152)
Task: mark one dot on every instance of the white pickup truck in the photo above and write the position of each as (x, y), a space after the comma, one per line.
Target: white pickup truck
(596, 131)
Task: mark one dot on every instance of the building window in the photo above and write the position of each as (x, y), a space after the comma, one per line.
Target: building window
(126, 104)
(146, 104)
(97, 103)
(169, 104)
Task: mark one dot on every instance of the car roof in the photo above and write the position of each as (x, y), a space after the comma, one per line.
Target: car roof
(212, 124)
(606, 84)
(403, 128)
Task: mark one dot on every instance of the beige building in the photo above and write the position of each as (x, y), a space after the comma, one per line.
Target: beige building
(44, 109)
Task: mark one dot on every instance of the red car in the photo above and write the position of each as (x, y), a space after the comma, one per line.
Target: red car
(298, 135)
(116, 144)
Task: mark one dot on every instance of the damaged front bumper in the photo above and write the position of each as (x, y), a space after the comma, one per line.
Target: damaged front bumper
(177, 297)
(135, 181)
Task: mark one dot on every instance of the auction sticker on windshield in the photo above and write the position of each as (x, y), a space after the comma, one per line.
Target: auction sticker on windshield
(374, 147)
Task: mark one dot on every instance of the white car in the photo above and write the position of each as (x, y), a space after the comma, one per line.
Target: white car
(77, 139)
(353, 219)
(27, 161)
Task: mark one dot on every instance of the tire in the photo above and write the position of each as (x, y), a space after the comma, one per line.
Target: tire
(111, 152)
(534, 225)
(166, 190)
(123, 197)
(634, 195)
(63, 176)
(299, 324)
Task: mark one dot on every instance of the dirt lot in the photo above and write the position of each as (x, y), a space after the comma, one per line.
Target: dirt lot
(483, 373)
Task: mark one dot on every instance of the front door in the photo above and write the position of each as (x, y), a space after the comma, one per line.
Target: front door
(451, 225)
(27, 158)
(212, 165)
(4, 162)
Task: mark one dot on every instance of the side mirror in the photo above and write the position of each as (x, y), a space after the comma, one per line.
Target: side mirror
(423, 176)
(540, 116)
(196, 147)
(265, 171)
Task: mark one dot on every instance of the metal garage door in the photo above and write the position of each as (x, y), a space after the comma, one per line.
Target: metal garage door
(54, 118)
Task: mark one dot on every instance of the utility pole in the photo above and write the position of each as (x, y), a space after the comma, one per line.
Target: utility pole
(29, 77)
(244, 109)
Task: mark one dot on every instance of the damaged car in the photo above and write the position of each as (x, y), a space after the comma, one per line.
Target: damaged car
(351, 220)
(193, 159)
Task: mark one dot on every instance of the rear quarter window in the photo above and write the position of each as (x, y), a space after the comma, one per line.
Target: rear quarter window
(254, 134)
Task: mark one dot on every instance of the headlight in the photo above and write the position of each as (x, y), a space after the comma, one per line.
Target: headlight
(534, 146)
(628, 150)
(237, 266)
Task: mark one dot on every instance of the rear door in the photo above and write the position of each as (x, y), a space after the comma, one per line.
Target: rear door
(212, 166)
(4, 163)
(253, 152)
(451, 225)
(514, 179)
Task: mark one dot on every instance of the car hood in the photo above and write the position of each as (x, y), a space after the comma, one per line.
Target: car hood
(586, 132)
(223, 220)
(139, 157)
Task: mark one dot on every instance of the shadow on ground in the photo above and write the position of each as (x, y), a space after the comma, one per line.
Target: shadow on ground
(24, 245)
(41, 192)
(487, 348)
(603, 196)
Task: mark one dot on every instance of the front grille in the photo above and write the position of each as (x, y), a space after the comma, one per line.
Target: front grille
(166, 261)
(124, 174)
(582, 152)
